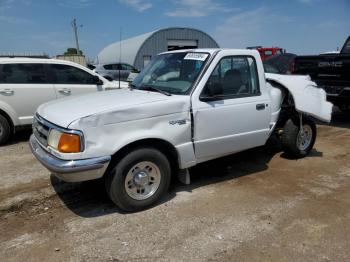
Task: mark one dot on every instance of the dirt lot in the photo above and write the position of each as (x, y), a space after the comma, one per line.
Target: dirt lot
(253, 206)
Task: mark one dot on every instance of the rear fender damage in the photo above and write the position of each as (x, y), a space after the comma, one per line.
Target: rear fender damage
(308, 98)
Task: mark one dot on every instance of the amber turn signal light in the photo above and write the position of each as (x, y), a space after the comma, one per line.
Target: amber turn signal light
(69, 143)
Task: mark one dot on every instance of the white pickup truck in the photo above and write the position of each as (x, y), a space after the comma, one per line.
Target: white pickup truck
(184, 108)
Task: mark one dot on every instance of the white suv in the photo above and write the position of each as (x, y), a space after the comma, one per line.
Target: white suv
(26, 83)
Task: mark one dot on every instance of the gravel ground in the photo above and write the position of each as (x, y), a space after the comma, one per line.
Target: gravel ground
(253, 206)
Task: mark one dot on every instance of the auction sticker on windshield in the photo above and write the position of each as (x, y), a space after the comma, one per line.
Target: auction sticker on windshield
(196, 56)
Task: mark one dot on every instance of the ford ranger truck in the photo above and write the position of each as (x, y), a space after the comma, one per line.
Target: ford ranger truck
(186, 107)
(331, 72)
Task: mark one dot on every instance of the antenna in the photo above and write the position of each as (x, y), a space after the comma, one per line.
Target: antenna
(120, 45)
(120, 52)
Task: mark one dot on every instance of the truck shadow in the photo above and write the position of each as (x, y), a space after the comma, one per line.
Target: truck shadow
(89, 199)
(341, 119)
(20, 136)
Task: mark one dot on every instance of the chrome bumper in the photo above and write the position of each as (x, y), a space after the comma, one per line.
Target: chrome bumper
(70, 170)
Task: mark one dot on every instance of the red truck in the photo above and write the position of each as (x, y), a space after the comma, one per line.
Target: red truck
(266, 52)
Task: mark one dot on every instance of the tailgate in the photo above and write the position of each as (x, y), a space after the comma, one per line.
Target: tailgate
(333, 69)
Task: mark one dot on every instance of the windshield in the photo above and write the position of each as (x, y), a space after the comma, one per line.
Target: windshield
(173, 73)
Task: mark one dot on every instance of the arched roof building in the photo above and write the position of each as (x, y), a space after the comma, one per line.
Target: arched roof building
(138, 50)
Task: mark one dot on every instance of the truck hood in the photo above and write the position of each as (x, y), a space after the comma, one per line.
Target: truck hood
(111, 107)
(109, 85)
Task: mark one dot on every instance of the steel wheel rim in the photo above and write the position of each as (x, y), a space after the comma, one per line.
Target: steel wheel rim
(142, 180)
(304, 137)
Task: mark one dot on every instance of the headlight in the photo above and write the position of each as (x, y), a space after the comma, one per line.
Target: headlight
(64, 142)
(54, 138)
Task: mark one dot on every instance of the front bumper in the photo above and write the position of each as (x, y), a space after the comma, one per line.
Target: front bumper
(70, 170)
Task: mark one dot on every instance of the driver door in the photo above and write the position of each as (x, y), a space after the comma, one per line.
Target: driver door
(237, 116)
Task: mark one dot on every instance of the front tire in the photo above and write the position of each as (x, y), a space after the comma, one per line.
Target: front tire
(139, 179)
(298, 143)
(5, 130)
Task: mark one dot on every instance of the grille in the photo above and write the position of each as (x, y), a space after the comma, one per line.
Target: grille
(40, 131)
(346, 93)
(333, 90)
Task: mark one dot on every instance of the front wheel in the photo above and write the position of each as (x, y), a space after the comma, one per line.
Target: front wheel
(298, 142)
(139, 179)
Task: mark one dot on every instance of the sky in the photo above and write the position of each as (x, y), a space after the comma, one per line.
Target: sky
(299, 26)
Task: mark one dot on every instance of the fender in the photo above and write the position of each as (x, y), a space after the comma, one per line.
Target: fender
(10, 112)
(308, 98)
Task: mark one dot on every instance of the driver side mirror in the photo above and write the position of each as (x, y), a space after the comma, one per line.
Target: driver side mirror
(97, 81)
(211, 92)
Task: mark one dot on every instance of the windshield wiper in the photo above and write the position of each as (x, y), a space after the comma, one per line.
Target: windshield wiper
(152, 88)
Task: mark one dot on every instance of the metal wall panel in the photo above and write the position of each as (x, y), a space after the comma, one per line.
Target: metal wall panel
(136, 49)
(158, 42)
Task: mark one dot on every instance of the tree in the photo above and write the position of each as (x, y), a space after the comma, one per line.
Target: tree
(72, 51)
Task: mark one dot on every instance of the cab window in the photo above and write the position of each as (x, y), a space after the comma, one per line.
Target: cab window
(23, 74)
(116, 67)
(112, 67)
(278, 52)
(234, 76)
(65, 74)
(108, 67)
(127, 67)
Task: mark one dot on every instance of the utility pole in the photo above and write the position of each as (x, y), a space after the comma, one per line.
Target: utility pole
(75, 29)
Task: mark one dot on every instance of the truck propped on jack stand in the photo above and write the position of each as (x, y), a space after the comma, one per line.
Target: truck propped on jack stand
(184, 108)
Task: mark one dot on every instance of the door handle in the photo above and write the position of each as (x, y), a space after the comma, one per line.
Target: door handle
(7, 92)
(64, 91)
(260, 106)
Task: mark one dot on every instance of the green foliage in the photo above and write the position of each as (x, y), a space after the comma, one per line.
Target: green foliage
(72, 51)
